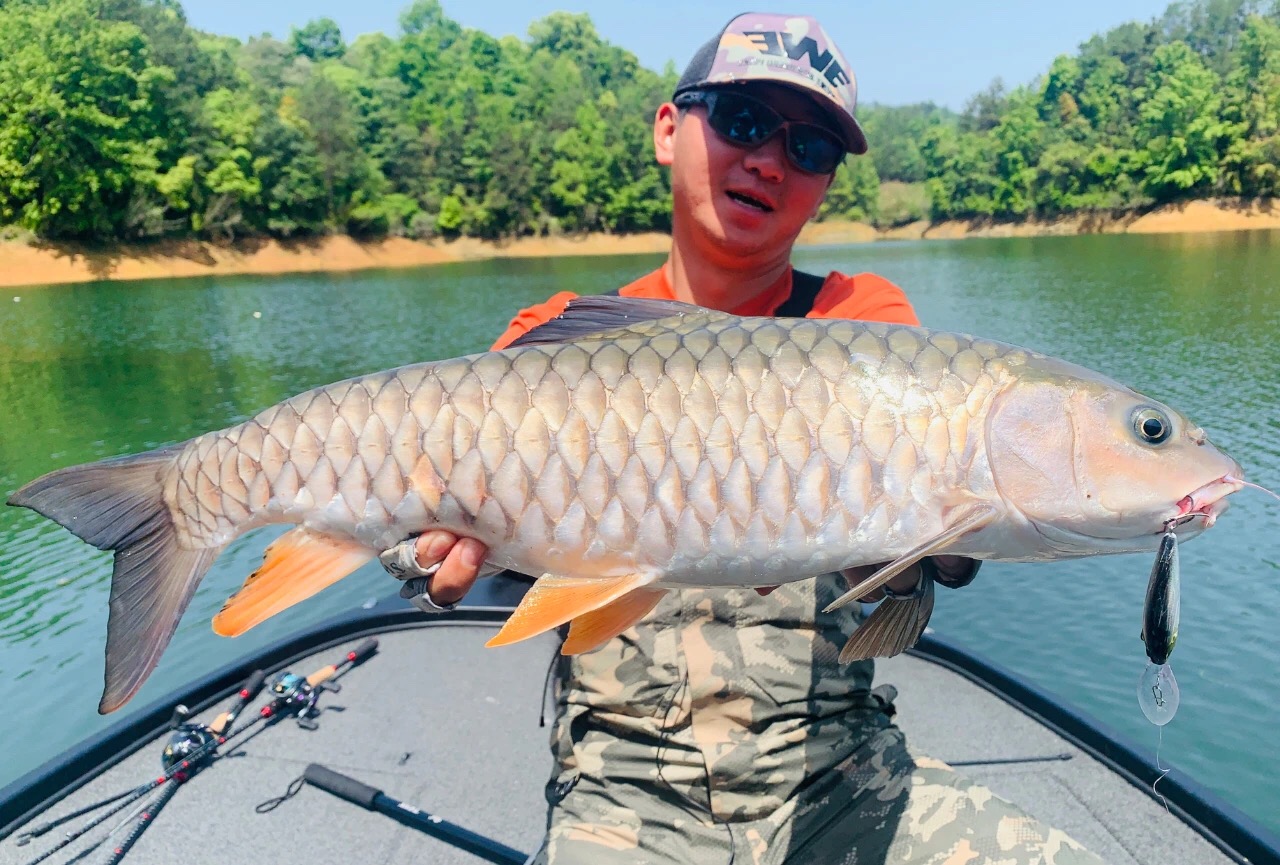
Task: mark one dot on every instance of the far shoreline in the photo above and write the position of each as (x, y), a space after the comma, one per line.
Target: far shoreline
(38, 264)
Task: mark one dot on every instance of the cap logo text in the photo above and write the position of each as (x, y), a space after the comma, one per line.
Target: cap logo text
(779, 42)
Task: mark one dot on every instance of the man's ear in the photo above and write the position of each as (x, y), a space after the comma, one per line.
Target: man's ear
(665, 122)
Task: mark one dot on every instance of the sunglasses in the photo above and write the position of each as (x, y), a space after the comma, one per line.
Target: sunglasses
(747, 122)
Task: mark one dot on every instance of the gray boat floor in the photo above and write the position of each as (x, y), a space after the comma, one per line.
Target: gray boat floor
(432, 720)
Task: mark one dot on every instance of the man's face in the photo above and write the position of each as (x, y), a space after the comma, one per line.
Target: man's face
(742, 203)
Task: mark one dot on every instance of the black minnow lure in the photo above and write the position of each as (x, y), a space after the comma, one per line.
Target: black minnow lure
(1157, 688)
(1161, 611)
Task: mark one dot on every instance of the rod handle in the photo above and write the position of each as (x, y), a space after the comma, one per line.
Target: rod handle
(355, 656)
(340, 785)
(362, 651)
(247, 692)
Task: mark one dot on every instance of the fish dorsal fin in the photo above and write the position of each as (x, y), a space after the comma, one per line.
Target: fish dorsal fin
(594, 316)
(592, 630)
(552, 601)
(963, 520)
(295, 566)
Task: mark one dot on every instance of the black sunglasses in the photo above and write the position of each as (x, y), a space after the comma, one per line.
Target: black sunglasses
(747, 122)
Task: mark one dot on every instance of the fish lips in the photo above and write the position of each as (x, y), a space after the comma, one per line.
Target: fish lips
(1200, 509)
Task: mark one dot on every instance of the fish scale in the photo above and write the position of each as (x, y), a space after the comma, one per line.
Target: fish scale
(754, 411)
(633, 446)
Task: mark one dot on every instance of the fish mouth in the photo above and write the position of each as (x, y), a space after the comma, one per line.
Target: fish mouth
(1203, 506)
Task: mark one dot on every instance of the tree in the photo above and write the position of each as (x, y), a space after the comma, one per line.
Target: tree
(318, 40)
(1180, 127)
(854, 192)
(1251, 164)
(77, 117)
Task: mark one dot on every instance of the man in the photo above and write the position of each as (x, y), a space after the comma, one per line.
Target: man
(722, 728)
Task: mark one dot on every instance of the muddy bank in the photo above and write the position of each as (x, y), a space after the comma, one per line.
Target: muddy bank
(31, 264)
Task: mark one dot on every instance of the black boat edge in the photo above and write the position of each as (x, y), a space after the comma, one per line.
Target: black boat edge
(1237, 835)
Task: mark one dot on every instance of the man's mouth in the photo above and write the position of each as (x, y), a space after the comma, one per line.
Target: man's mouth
(750, 201)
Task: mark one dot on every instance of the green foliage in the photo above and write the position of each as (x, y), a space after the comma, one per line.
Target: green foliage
(1179, 124)
(118, 120)
(76, 119)
(901, 203)
(1185, 106)
(894, 135)
(318, 40)
(854, 192)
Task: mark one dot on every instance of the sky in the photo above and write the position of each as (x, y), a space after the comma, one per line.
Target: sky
(902, 51)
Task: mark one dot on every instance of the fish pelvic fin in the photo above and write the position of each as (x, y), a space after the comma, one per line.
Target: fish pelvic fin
(117, 504)
(592, 630)
(295, 566)
(552, 601)
(894, 627)
(963, 520)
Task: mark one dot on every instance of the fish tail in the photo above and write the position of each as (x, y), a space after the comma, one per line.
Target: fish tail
(117, 504)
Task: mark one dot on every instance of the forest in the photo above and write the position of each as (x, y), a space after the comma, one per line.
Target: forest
(121, 122)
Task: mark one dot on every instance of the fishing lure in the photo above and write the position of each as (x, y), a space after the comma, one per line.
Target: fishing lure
(1158, 694)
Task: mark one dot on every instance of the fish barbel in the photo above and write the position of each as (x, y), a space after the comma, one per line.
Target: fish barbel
(634, 446)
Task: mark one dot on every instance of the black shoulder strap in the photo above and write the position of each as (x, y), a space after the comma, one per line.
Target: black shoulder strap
(804, 291)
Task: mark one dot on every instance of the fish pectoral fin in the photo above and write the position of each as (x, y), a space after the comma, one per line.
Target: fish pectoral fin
(552, 601)
(963, 520)
(592, 630)
(894, 627)
(294, 567)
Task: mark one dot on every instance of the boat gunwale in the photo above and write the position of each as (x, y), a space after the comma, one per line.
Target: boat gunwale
(1233, 832)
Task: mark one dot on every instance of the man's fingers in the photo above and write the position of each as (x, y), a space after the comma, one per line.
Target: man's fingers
(432, 547)
(902, 584)
(458, 571)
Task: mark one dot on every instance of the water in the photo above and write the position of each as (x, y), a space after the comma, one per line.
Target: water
(95, 370)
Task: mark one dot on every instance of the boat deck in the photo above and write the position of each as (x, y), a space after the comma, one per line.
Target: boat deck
(433, 721)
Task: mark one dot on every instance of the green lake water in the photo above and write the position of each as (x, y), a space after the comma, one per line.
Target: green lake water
(90, 371)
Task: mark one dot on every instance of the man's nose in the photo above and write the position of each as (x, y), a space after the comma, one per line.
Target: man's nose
(769, 160)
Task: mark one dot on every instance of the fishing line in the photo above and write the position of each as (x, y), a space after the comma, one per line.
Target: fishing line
(1234, 480)
(1161, 769)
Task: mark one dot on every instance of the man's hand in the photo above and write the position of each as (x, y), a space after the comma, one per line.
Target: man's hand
(950, 571)
(439, 568)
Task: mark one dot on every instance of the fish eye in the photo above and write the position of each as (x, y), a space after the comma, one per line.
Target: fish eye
(1152, 425)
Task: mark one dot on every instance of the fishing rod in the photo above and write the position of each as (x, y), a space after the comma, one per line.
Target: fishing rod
(358, 793)
(193, 746)
(186, 751)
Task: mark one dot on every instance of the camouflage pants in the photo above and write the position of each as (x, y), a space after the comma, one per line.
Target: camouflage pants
(723, 729)
(880, 806)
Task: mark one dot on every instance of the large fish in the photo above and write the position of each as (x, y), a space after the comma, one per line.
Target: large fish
(634, 446)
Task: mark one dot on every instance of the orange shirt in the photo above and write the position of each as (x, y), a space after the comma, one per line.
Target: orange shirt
(865, 297)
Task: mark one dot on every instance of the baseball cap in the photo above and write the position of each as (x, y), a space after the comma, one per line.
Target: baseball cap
(792, 50)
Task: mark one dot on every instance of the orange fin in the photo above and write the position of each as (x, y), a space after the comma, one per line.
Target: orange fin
(594, 629)
(296, 566)
(553, 600)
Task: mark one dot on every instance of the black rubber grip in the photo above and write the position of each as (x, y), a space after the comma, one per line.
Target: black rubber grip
(340, 785)
(253, 684)
(362, 651)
